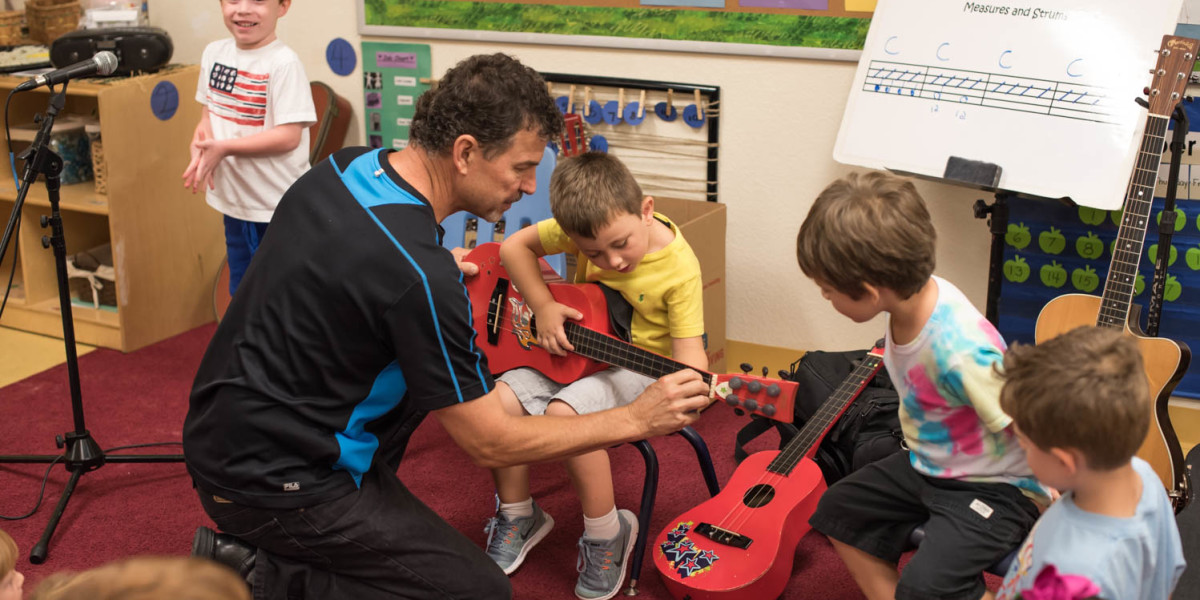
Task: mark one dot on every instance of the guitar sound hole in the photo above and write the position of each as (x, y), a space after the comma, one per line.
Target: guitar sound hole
(758, 496)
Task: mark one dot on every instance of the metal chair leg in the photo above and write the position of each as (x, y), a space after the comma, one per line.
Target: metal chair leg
(649, 492)
(702, 455)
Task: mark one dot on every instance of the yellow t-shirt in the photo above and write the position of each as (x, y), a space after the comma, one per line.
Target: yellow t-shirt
(664, 289)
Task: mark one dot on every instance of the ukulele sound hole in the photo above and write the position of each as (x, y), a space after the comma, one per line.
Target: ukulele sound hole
(759, 495)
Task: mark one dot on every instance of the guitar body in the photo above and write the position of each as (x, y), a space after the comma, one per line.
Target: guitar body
(516, 343)
(694, 566)
(508, 336)
(1165, 360)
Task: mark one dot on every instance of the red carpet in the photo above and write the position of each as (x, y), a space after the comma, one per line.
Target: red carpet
(129, 509)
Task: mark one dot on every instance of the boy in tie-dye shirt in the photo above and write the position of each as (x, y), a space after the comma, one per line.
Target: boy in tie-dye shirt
(868, 243)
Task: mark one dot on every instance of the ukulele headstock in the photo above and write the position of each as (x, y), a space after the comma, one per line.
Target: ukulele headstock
(771, 398)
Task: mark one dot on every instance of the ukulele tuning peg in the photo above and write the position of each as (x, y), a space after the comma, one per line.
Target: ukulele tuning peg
(746, 367)
(765, 371)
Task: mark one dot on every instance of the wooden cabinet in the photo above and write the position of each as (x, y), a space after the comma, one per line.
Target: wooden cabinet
(167, 243)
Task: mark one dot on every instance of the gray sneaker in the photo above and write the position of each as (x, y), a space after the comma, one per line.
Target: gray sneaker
(509, 541)
(602, 563)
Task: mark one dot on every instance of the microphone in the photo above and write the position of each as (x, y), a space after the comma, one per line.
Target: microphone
(103, 63)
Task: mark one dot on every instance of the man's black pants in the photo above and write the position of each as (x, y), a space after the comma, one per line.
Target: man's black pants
(377, 542)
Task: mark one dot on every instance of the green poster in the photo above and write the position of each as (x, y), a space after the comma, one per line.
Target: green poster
(392, 80)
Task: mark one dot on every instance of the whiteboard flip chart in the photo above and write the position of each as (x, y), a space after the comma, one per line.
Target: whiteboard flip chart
(1045, 89)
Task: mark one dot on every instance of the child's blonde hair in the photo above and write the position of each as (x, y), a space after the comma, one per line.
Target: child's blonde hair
(870, 228)
(588, 190)
(8, 554)
(1085, 389)
(147, 578)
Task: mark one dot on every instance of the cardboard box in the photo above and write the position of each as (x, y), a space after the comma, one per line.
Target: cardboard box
(703, 226)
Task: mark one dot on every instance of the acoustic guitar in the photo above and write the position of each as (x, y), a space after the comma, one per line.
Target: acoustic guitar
(507, 333)
(1166, 360)
(739, 545)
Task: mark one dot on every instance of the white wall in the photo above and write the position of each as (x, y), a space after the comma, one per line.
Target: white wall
(779, 121)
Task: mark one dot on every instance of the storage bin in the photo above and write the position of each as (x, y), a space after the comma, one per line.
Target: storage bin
(47, 22)
(10, 27)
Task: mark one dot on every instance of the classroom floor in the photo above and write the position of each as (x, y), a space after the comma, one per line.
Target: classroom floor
(23, 354)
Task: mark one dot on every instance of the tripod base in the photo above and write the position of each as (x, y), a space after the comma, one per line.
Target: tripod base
(82, 455)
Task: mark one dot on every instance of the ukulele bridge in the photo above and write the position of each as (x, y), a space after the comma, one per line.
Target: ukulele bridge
(723, 536)
(495, 308)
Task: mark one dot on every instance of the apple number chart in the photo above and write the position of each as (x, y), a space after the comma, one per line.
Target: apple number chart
(1053, 249)
(1044, 90)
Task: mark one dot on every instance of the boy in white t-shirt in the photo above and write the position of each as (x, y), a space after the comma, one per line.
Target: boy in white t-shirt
(252, 140)
(869, 244)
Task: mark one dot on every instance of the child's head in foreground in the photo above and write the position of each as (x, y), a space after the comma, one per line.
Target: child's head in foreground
(598, 203)
(867, 232)
(1080, 402)
(147, 578)
(11, 581)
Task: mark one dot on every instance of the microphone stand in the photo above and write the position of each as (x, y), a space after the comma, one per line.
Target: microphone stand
(82, 454)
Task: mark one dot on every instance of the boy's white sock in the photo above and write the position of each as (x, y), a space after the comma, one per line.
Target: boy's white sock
(517, 510)
(602, 528)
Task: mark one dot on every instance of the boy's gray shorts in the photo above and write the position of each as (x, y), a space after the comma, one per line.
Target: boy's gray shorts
(609, 388)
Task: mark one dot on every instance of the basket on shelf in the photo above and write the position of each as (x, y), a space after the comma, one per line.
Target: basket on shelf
(99, 169)
(10, 27)
(47, 21)
(91, 277)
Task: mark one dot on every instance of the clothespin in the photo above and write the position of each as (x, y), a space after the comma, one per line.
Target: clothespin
(642, 105)
(587, 100)
(620, 101)
(571, 100)
(670, 100)
(550, 88)
(699, 107)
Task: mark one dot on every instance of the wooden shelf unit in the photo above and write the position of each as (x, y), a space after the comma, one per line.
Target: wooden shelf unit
(167, 243)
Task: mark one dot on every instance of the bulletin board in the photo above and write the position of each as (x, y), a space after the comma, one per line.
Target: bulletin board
(830, 29)
(1043, 89)
(1052, 248)
(394, 76)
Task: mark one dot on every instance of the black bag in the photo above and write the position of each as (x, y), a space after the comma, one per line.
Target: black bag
(868, 431)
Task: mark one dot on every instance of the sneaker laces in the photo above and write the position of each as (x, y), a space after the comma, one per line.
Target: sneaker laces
(496, 524)
(591, 554)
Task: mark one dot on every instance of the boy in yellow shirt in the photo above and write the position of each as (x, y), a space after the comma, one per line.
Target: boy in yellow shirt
(601, 216)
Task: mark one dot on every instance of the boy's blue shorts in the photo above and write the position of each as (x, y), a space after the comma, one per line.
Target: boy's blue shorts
(241, 240)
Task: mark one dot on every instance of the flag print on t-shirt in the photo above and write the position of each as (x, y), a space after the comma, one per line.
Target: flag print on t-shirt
(237, 96)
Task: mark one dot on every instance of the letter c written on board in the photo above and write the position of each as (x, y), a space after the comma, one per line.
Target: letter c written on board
(939, 51)
(1001, 61)
(1070, 66)
(887, 46)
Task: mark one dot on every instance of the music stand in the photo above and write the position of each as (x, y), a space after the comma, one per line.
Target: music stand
(81, 453)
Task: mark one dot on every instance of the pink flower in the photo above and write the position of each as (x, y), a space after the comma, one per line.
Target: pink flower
(1051, 585)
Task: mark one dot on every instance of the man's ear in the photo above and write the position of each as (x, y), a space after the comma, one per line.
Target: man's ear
(648, 209)
(465, 149)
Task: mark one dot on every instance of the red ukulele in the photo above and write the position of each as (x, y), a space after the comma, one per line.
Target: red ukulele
(739, 544)
(508, 336)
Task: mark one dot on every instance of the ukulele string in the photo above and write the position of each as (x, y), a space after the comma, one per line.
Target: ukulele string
(790, 456)
(621, 354)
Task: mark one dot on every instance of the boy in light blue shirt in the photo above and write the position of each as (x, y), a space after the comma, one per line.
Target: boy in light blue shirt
(1082, 408)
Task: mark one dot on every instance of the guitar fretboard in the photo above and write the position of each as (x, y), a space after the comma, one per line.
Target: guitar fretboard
(819, 424)
(606, 349)
(1120, 285)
